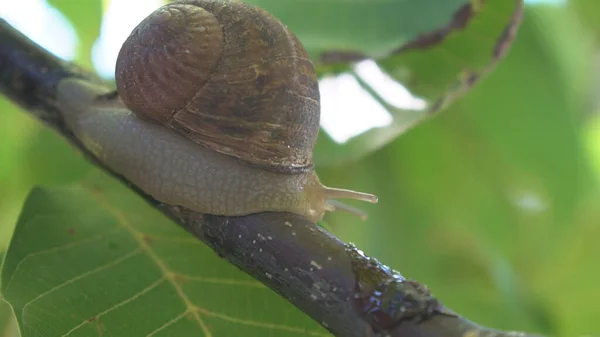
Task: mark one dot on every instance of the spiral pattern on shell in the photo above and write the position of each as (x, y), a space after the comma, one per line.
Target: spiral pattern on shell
(228, 76)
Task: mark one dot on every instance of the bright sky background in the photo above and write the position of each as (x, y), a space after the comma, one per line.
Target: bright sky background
(347, 109)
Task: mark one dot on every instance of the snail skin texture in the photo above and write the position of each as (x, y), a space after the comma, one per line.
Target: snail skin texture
(208, 153)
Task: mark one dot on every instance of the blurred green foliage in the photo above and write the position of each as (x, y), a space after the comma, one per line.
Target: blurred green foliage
(493, 204)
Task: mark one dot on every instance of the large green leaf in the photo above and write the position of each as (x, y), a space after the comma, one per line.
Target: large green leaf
(370, 28)
(438, 68)
(96, 259)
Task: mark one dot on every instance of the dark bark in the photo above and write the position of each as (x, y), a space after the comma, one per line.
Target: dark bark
(335, 284)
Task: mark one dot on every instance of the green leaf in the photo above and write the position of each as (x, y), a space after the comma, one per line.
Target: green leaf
(96, 259)
(8, 323)
(438, 68)
(371, 28)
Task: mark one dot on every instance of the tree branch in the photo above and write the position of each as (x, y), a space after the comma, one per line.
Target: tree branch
(347, 292)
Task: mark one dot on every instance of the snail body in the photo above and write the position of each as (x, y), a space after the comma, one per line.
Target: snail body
(223, 123)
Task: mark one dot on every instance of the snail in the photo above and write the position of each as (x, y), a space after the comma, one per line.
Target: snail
(217, 111)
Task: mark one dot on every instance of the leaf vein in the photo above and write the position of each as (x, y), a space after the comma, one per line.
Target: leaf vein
(57, 249)
(259, 324)
(169, 323)
(81, 276)
(120, 304)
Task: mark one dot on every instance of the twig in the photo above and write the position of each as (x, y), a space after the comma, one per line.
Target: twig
(347, 292)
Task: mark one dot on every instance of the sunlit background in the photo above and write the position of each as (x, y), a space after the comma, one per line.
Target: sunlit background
(521, 289)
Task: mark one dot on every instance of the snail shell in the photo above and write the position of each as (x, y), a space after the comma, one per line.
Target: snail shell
(228, 76)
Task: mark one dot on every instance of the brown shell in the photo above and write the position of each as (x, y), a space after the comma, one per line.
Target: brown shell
(228, 76)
